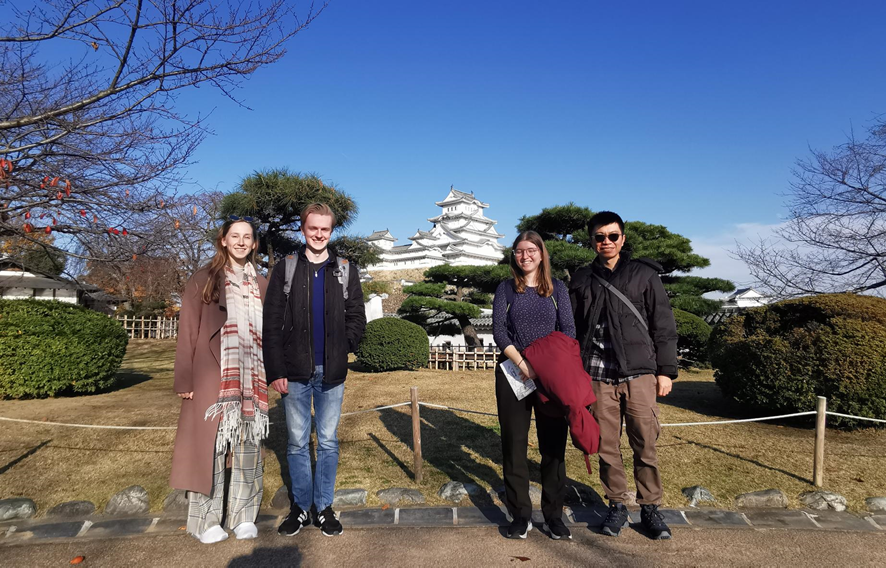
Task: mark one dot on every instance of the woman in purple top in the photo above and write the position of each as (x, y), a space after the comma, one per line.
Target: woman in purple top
(535, 306)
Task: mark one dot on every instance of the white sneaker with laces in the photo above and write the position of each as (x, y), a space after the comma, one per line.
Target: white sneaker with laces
(245, 531)
(213, 534)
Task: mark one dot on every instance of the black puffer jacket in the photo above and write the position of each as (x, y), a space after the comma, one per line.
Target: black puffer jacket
(286, 332)
(637, 350)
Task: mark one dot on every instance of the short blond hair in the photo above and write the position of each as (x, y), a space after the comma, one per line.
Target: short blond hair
(319, 209)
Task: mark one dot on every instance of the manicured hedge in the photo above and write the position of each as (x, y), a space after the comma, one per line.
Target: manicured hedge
(781, 357)
(693, 333)
(49, 348)
(392, 343)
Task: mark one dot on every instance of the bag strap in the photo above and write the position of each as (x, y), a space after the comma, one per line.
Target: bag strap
(342, 264)
(291, 262)
(624, 300)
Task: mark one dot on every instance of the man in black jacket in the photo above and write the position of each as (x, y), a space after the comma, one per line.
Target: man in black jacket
(307, 333)
(628, 338)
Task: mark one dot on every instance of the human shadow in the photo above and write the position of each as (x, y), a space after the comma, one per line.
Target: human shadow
(278, 440)
(744, 459)
(24, 456)
(450, 444)
(288, 556)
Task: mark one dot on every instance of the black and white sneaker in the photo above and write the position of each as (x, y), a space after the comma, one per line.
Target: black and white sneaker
(329, 524)
(616, 519)
(654, 523)
(519, 528)
(558, 529)
(294, 521)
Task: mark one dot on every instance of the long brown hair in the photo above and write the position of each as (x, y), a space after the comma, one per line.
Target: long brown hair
(210, 290)
(544, 285)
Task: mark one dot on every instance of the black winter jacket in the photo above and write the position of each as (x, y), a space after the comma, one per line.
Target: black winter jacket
(286, 333)
(638, 351)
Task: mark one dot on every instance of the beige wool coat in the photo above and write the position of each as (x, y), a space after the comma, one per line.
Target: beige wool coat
(198, 370)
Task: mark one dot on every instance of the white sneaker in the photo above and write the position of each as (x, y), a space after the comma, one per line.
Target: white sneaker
(213, 534)
(245, 530)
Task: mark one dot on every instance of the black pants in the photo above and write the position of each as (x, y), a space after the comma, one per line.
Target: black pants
(514, 417)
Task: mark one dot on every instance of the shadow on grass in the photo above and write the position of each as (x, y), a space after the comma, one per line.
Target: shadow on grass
(24, 456)
(278, 440)
(744, 459)
(703, 397)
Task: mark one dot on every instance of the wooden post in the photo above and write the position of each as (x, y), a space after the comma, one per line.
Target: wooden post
(821, 407)
(416, 434)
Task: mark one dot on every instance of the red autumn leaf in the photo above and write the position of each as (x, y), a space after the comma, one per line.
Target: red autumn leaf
(47, 230)
(95, 218)
(125, 232)
(54, 222)
(54, 182)
(116, 231)
(83, 212)
(78, 559)
(59, 195)
(385, 507)
(45, 179)
(195, 210)
(28, 228)
(27, 214)
(177, 224)
(42, 186)
(135, 256)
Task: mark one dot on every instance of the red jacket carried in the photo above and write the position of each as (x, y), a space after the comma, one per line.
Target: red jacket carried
(564, 386)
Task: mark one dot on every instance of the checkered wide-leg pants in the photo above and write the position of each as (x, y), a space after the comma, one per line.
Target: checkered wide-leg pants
(244, 494)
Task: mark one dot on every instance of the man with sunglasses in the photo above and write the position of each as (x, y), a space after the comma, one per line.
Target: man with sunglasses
(628, 338)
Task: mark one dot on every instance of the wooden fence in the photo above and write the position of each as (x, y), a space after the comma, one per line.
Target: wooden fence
(149, 327)
(460, 357)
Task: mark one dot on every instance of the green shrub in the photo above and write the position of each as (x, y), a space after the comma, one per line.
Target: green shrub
(49, 348)
(391, 343)
(693, 333)
(782, 356)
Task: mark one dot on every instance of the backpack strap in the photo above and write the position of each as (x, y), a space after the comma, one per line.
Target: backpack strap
(291, 261)
(624, 300)
(343, 272)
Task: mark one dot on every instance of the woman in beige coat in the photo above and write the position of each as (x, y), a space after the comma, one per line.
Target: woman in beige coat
(219, 375)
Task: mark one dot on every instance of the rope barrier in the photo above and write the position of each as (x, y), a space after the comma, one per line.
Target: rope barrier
(454, 409)
(742, 420)
(376, 408)
(90, 425)
(442, 407)
(855, 417)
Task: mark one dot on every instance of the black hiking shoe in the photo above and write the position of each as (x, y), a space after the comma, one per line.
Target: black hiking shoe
(558, 529)
(329, 524)
(294, 521)
(519, 528)
(616, 519)
(654, 523)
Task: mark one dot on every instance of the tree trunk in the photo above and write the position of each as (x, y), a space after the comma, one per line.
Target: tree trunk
(467, 328)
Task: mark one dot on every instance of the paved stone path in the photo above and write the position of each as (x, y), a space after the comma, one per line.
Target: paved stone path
(98, 527)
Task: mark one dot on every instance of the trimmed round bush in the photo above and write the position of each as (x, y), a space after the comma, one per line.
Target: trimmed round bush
(693, 333)
(49, 348)
(391, 343)
(782, 356)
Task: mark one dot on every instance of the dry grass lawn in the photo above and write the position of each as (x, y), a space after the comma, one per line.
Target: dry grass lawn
(54, 464)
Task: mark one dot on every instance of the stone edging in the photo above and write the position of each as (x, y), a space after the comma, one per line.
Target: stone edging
(98, 527)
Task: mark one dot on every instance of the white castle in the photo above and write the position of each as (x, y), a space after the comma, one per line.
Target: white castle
(461, 235)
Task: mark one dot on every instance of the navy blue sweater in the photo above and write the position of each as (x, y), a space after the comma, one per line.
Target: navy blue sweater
(532, 316)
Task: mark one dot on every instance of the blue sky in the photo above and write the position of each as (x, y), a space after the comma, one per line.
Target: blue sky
(687, 114)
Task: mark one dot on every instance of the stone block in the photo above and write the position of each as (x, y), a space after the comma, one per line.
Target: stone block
(176, 503)
(349, 498)
(397, 495)
(767, 499)
(72, 509)
(426, 517)
(130, 501)
(17, 508)
(823, 500)
(875, 504)
(281, 499)
(697, 494)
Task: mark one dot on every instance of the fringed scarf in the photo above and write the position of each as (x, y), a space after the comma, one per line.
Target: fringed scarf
(243, 396)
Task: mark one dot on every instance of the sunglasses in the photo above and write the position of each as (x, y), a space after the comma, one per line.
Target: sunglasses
(236, 218)
(600, 237)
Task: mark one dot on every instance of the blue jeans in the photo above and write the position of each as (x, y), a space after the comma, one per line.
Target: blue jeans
(318, 489)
